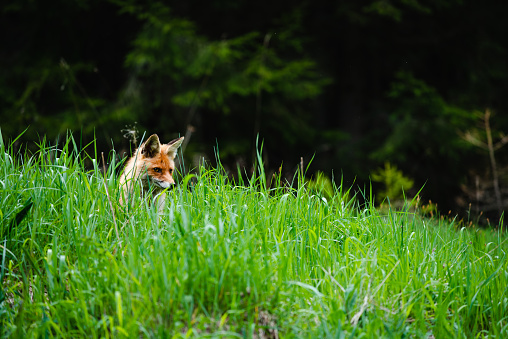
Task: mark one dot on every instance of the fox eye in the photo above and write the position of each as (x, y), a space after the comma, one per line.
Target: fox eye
(171, 171)
(157, 170)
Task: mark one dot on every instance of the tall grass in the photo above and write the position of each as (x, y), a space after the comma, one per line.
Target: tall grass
(231, 260)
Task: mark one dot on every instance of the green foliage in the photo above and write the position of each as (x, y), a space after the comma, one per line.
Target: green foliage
(425, 137)
(311, 77)
(187, 77)
(226, 260)
(169, 47)
(395, 184)
(393, 10)
(321, 184)
(423, 123)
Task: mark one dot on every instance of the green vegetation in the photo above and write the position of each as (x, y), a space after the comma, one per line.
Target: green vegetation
(353, 83)
(248, 259)
(394, 182)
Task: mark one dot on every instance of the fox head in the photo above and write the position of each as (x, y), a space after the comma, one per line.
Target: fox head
(155, 162)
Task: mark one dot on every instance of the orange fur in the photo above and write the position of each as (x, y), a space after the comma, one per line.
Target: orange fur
(152, 167)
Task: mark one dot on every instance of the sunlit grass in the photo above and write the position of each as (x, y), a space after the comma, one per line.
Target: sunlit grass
(231, 260)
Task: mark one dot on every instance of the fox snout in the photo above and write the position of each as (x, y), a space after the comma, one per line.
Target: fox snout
(163, 184)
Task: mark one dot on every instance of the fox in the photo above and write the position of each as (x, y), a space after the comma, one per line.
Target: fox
(152, 167)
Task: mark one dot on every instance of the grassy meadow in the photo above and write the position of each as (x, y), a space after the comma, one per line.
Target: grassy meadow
(248, 259)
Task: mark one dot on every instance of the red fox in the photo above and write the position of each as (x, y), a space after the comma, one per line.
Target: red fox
(152, 167)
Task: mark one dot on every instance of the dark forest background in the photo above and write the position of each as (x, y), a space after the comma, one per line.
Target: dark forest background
(400, 92)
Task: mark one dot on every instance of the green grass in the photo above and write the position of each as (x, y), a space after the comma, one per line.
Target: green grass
(232, 260)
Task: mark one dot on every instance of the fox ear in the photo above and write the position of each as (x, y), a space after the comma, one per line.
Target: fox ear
(151, 147)
(173, 146)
